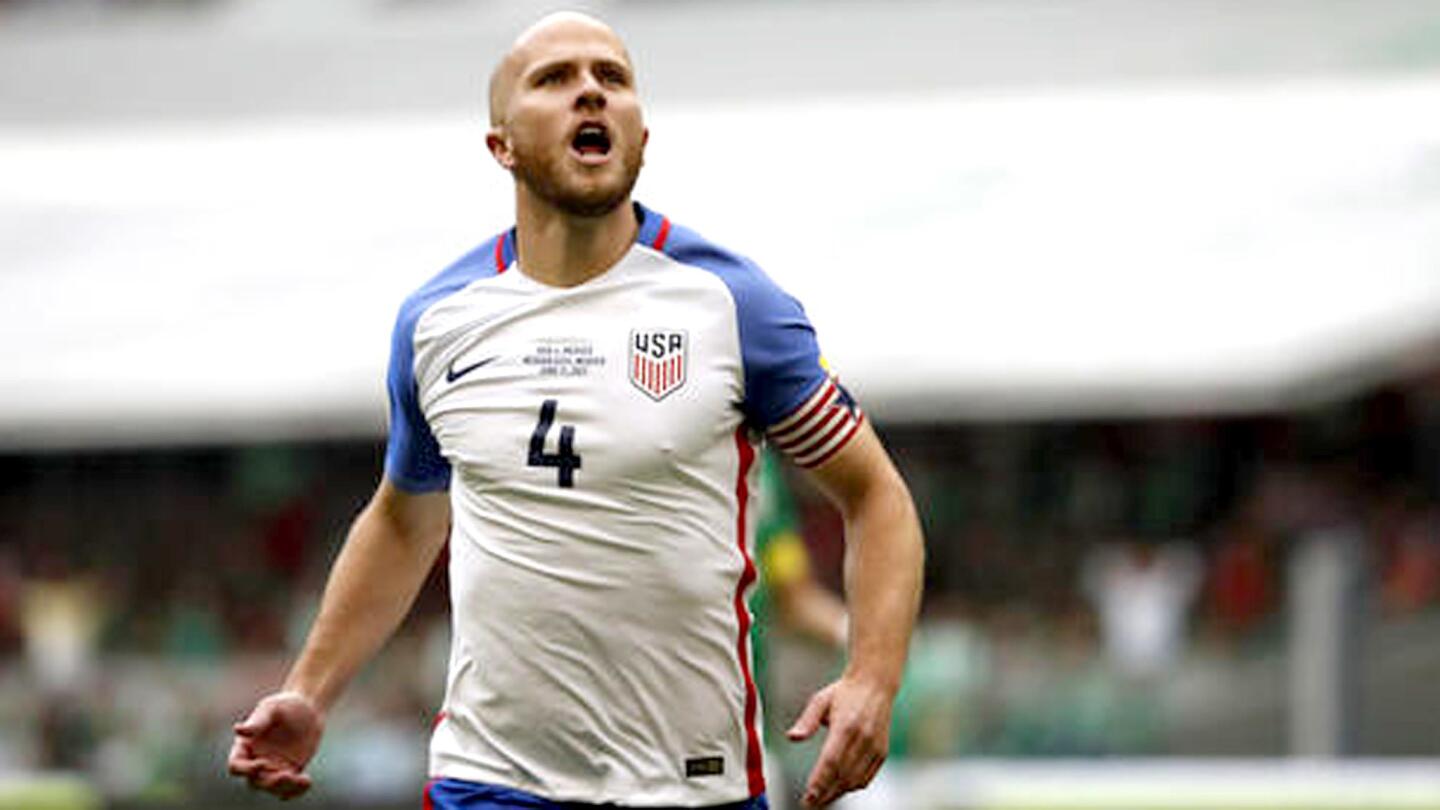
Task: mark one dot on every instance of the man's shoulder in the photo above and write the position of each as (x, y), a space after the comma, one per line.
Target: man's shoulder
(487, 259)
(687, 246)
(748, 283)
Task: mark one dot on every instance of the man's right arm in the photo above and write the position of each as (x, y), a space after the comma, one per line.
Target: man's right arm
(390, 549)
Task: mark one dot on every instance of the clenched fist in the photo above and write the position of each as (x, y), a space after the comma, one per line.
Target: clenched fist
(273, 745)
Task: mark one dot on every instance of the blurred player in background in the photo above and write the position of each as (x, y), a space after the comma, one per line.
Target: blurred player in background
(789, 596)
(577, 404)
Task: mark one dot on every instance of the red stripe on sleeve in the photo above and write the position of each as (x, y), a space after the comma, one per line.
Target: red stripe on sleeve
(792, 443)
(754, 768)
(845, 420)
(854, 428)
(811, 406)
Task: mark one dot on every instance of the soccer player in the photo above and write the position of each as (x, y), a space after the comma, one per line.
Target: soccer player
(576, 404)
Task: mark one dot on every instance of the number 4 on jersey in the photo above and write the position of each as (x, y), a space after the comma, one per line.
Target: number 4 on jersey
(566, 460)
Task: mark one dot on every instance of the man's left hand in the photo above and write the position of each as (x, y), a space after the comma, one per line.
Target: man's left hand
(858, 716)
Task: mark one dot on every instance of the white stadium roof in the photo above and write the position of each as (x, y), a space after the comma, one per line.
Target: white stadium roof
(1027, 253)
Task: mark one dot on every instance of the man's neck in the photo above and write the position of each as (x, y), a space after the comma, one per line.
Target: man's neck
(563, 250)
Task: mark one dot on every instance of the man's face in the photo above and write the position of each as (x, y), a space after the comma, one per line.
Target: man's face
(569, 121)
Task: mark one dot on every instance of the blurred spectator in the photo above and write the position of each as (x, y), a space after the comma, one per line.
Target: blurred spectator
(1241, 580)
(939, 711)
(10, 595)
(61, 615)
(1142, 594)
(194, 631)
(1411, 578)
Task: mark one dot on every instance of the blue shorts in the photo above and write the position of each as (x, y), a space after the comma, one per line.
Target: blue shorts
(455, 794)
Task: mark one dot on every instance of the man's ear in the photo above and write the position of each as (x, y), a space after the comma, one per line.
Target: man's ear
(499, 147)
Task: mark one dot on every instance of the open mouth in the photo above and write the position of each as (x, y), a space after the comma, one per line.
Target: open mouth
(591, 140)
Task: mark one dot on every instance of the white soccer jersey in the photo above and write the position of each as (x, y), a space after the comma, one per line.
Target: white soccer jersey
(598, 444)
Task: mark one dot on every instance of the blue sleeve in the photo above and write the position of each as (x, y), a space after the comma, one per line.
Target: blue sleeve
(777, 343)
(412, 455)
(413, 461)
(780, 352)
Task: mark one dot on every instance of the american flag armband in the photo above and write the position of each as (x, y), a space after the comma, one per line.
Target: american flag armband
(819, 427)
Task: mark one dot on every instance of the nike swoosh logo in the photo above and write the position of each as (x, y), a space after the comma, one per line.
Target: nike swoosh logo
(452, 374)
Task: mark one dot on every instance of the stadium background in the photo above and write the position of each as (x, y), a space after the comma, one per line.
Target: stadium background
(1145, 297)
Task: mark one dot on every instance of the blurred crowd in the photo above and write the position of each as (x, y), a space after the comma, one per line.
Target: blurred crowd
(147, 597)
(1079, 570)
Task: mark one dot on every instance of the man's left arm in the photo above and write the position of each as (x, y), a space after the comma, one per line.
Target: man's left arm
(884, 558)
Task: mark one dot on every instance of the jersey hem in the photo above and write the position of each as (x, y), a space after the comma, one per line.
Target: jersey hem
(477, 776)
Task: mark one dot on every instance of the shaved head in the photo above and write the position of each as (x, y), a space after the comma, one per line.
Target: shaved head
(530, 44)
(565, 118)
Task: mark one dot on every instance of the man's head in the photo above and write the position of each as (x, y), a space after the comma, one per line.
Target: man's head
(565, 118)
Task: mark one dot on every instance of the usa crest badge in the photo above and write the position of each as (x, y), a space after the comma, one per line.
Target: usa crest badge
(657, 361)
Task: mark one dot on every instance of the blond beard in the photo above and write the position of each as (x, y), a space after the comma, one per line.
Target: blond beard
(543, 177)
